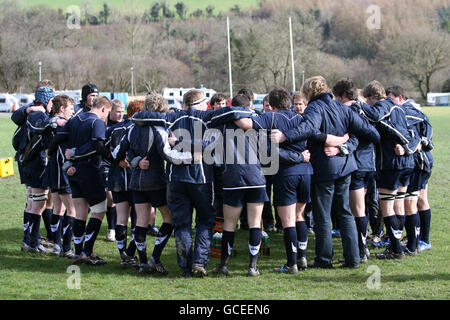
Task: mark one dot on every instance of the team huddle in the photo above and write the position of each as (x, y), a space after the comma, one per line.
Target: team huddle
(358, 159)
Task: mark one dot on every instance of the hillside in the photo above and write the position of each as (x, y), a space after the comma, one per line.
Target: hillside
(192, 5)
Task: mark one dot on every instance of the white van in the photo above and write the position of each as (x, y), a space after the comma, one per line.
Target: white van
(24, 98)
(8, 102)
(74, 94)
(258, 101)
(178, 93)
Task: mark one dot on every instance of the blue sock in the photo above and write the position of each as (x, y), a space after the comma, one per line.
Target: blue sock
(140, 239)
(47, 218)
(131, 249)
(227, 244)
(79, 227)
(394, 233)
(161, 240)
(302, 238)
(26, 227)
(401, 221)
(412, 231)
(290, 244)
(121, 237)
(361, 227)
(35, 223)
(92, 230)
(425, 223)
(56, 228)
(67, 232)
(254, 245)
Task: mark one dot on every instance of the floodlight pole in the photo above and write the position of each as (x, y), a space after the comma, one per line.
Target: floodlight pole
(229, 58)
(132, 81)
(40, 70)
(292, 54)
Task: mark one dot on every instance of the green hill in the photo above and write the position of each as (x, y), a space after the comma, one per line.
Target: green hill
(192, 5)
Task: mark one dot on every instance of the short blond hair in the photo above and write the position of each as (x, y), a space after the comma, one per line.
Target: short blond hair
(116, 103)
(297, 95)
(155, 102)
(374, 89)
(101, 102)
(313, 87)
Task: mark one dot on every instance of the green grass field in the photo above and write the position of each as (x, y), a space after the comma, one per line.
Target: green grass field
(192, 5)
(426, 276)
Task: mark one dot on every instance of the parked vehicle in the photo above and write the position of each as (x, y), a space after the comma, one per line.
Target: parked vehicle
(24, 98)
(8, 102)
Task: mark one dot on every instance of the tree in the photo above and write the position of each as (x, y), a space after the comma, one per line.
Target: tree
(197, 13)
(417, 55)
(210, 11)
(154, 11)
(104, 15)
(166, 12)
(181, 10)
(446, 86)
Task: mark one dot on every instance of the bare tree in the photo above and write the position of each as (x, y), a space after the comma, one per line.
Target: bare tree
(418, 55)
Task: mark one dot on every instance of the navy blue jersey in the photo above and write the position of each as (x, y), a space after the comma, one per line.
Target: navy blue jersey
(421, 126)
(284, 120)
(243, 169)
(82, 131)
(391, 123)
(194, 123)
(56, 176)
(151, 142)
(365, 155)
(118, 177)
(325, 115)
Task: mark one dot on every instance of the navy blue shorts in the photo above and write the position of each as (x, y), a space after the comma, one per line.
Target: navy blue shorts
(291, 189)
(361, 179)
(156, 197)
(34, 176)
(239, 197)
(23, 177)
(392, 179)
(419, 180)
(122, 196)
(93, 191)
(62, 191)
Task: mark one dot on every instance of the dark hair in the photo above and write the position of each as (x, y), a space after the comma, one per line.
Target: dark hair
(397, 91)
(346, 87)
(60, 101)
(247, 92)
(217, 98)
(266, 98)
(240, 100)
(280, 98)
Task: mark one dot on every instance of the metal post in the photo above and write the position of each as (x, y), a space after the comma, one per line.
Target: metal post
(229, 58)
(303, 77)
(132, 81)
(292, 54)
(40, 70)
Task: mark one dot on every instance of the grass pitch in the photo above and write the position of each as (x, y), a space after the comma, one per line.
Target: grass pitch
(426, 276)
